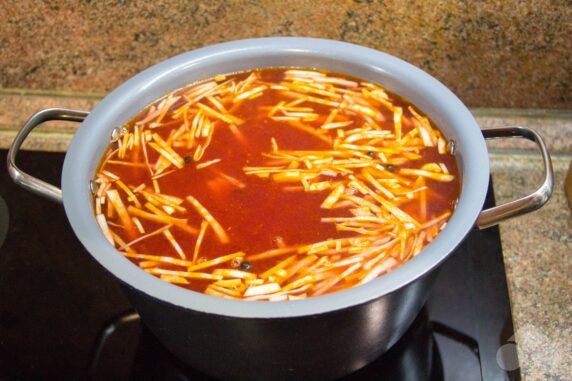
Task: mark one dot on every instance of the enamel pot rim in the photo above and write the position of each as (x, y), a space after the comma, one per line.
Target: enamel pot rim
(398, 76)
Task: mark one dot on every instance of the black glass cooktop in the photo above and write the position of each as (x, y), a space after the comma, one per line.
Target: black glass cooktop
(62, 317)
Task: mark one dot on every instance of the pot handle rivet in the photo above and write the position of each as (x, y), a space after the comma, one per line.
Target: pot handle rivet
(533, 201)
(25, 180)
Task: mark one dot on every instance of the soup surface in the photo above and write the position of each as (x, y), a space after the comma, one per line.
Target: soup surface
(275, 184)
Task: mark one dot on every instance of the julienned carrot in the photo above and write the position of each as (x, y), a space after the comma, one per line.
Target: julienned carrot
(367, 163)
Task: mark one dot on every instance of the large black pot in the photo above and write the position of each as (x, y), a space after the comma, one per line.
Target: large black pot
(312, 347)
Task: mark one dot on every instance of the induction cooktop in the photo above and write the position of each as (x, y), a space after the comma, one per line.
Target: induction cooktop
(63, 317)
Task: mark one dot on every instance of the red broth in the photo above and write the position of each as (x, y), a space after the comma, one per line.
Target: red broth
(275, 184)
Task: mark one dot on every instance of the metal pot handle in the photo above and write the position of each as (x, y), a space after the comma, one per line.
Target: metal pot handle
(25, 180)
(533, 201)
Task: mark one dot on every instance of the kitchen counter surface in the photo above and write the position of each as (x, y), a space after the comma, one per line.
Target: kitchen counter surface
(536, 246)
(491, 53)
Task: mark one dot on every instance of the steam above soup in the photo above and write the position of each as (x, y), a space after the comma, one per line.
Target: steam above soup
(275, 184)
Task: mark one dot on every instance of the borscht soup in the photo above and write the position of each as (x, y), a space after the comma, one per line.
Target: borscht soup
(275, 184)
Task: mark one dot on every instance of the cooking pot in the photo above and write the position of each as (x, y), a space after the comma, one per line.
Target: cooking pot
(318, 338)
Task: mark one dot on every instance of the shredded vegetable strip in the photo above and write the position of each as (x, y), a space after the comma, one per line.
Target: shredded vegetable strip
(158, 258)
(162, 219)
(119, 207)
(218, 229)
(102, 222)
(184, 274)
(202, 232)
(217, 261)
(167, 233)
(375, 165)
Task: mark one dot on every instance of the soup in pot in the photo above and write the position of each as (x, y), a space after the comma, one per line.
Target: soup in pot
(275, 184)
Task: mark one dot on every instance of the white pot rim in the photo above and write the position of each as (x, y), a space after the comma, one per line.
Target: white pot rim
(427, 93)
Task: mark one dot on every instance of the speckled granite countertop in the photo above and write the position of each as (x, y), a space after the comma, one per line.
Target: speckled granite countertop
(536, 247)
(490, 53)
(537, 250)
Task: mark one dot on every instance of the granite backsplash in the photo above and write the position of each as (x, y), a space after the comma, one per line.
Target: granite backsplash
(513, 54)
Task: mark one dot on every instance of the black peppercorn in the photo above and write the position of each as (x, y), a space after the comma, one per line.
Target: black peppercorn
(245, 266)
(188, 159)
(389, 167)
